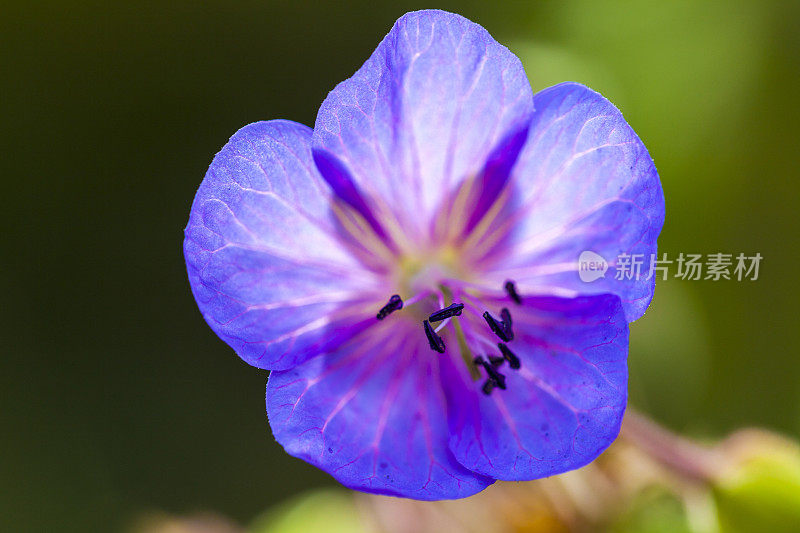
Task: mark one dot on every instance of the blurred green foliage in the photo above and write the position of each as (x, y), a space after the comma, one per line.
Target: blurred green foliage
(331, 511)
(761, 492)
(116, 397)
(653, 512)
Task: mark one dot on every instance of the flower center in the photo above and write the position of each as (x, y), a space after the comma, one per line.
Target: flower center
(437, 294)
(440, 300)
(428, 271)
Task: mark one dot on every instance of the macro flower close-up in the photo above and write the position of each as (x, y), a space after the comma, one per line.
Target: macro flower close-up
(408, 269)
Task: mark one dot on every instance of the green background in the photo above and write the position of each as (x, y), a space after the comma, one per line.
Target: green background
(116, 398)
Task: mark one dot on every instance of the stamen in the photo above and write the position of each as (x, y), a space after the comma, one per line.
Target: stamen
(511, 289)
(447, 312)
(394, 304)
(505, 316)
(477, 337)
(498, 327)
(496, 360)
(488, 386)
(417, 298)
(435, 341)
(508, 355)
(497, 377)
(441, 326)
(460, 330)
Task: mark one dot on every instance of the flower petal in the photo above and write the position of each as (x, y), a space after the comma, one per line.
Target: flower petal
(583, 182)
(268, 268)
(561, 408)
(372, 415)
(439, 102)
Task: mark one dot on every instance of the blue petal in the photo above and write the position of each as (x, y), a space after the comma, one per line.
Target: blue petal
(562, 407)
(373, 416)
(268, 268)
(583, 182)
(437, 104)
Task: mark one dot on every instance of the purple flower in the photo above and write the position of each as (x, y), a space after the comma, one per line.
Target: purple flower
(407, 269)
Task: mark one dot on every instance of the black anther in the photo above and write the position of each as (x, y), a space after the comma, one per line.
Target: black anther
(436, 342)
(508, 355)
(498, 327)
(394, 304)
(494, 375)
(505, 316)
(511, 289)
(496, 360)
(488, 386)
(447, 312)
